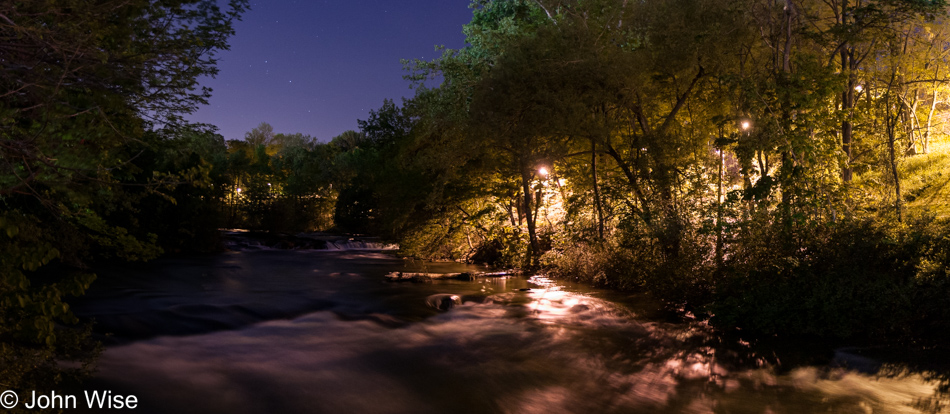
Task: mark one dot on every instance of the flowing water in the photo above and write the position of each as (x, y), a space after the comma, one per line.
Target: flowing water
(310, 331)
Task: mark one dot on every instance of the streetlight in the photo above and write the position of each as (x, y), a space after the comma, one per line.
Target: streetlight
(746, 125)
(543, 171)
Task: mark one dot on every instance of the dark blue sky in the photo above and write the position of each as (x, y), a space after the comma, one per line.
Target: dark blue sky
(316, 66)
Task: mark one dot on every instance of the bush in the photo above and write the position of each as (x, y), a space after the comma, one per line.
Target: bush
(631, 259)
(857, 279)
(602, 264)
(848, 279)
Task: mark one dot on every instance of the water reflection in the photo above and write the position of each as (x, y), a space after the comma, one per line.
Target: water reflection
(511, 345)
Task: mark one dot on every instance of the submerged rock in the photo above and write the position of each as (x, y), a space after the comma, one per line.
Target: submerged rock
(443, 301)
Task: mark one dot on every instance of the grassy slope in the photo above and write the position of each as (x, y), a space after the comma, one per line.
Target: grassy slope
(926, 178)
(925, 182)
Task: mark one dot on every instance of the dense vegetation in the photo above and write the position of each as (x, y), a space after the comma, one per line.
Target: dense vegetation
(778, 165)
(91, 141)
(763, 162)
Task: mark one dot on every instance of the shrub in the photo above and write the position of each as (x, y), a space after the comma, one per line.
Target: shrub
(857, 278)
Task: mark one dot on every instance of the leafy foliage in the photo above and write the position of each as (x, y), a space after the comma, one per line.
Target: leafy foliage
(87, 88)
(701, 150)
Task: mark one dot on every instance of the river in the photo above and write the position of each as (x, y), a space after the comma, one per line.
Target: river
(321, 331)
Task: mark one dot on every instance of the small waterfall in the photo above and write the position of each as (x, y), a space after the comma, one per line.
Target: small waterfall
(245, 240)
(353, 244)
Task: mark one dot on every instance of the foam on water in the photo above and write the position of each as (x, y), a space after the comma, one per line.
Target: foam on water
(512, 345)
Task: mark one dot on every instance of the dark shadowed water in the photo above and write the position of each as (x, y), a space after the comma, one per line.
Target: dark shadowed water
(277, 331)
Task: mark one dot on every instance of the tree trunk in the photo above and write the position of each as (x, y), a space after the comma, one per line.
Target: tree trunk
(786, 163)
(719, 243)
(597, 201)
(763, 170)
(644, 210)
(925, 145)
(891, 129)
(911, 123)
(671, 234)
(891, 132)
(847, 106)
(789, 16)
(534, 247)
(847, 99)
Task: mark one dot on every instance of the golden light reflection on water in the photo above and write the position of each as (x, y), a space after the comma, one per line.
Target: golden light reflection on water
(510, 346)
(657, 383)
(549, 303)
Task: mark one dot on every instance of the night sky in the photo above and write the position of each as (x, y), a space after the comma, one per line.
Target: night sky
(316, 66)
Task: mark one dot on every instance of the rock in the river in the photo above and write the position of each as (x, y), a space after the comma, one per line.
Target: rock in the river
(579, 308)
(425, 277)
(443, 301)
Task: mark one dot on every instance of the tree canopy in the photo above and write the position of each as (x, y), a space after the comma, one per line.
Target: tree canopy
(676, 146)
(90, 91)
